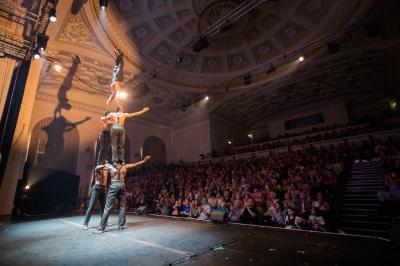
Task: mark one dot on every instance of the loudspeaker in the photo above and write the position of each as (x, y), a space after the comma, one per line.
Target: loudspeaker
(219, 217)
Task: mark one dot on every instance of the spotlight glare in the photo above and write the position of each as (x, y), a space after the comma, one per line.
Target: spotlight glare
(250, 135)
(52, 15)
(57, 67)
(27, 187)
(103, 4)
(229, 142)
(301, 58)
(36, 54)
(122, 94)
(207, 98)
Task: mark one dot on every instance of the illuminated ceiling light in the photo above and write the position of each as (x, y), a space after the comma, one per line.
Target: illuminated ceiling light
(36, 53)
(301, 58)
(122, 94)
(393, 104)
(57, 67)
(103, 4)
(52, 15)
(42, 40)
(207, 98)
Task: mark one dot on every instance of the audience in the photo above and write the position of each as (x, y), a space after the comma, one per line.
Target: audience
(296, 189)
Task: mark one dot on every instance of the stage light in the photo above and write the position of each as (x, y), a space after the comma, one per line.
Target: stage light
(247, 80)
(57, 67)
(27, 187)
(52, 15)
(42, 40)
(206, 98)
(272, 69)
(201, 44)
(103, 4)
(229, 142)
(36, 53)
(179, 58)
(122, 94)
(301, 58)
(250, 135)
(393, 104)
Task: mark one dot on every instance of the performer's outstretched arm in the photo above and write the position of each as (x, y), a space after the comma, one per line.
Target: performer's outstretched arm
(144, 110)
(133, 165)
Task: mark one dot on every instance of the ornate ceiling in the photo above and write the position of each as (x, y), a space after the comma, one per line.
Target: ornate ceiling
(148, 31)
(155, 29)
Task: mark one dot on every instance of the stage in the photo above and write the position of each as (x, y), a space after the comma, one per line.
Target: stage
(150, 240)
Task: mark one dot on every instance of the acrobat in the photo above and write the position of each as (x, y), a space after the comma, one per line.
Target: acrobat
(98, 192)
(117, 131)
(117, 78)
(117, 190)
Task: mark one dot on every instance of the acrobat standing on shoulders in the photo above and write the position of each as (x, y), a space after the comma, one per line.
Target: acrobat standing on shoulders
(117, 131)
(117, 78)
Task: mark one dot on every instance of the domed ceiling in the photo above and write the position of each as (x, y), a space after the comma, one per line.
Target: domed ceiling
(154, 30)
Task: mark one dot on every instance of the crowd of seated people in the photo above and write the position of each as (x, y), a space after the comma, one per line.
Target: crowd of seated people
(296, 189)
(389, 163)
(327, 133)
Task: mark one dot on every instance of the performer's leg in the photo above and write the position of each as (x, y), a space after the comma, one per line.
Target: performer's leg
(102, 149)
(107, 145)
(112, 193)
(93, 198)
(121, 144)
(122, 211)
(114, 143)
(102, 200)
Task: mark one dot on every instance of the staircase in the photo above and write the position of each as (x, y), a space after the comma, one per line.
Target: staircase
(357, 214)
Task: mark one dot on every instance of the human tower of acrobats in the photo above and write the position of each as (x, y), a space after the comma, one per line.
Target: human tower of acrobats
(112, 135)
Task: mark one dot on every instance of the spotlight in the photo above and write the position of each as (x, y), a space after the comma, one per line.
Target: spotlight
(122, 94)
(272, 69)
(201, 44)
(333, 47)
(36, 53)
(103, 4)
(52, 15)
(57, 67)
(301, 58)
(179, 58)
(42, 40)
(226, 28)
(27, 187)
(247, 80)
(229, 142)
(206, 98)
(250, 135)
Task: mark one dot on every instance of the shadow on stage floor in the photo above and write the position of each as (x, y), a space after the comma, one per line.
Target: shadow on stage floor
(150, 240)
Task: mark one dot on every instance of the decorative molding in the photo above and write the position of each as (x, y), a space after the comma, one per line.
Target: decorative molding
(46, 97)
(76, 31)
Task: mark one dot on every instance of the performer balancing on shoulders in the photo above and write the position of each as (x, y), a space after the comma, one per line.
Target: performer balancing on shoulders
(98, 191)
(117, 131)
(117, 78)
(117, 190)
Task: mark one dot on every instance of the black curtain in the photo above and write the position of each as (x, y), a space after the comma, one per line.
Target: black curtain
(11, 110)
